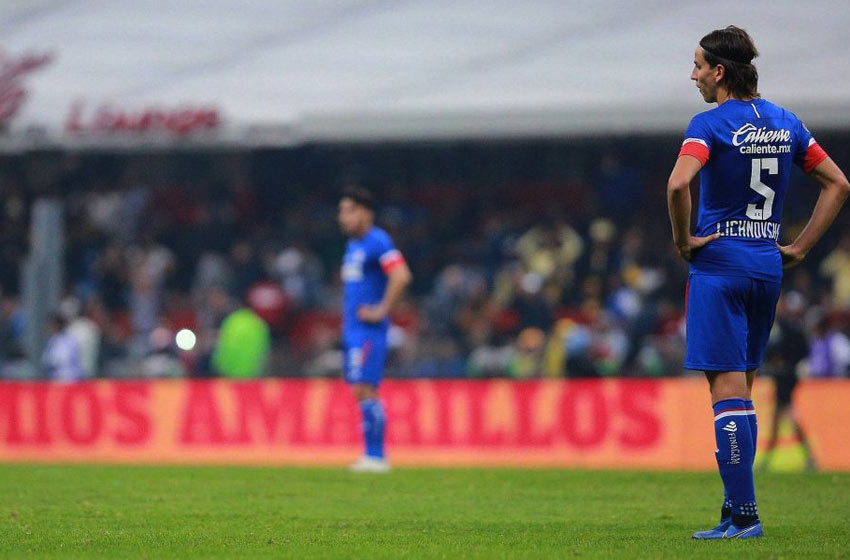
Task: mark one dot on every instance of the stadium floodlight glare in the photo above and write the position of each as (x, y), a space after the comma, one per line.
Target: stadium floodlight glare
(185, 339)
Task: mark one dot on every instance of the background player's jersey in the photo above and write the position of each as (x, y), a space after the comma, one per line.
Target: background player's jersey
(747, 149)
(365, 266)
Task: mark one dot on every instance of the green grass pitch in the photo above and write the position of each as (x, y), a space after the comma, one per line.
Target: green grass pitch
(208, 512)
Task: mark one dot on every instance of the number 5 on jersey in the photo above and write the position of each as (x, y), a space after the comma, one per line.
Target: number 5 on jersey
(771, 165)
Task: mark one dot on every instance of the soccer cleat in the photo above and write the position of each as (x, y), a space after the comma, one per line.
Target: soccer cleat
(367, 464)
(718, 532)
(750, 532)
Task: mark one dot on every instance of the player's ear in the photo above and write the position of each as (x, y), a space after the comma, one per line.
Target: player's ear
(719, 72)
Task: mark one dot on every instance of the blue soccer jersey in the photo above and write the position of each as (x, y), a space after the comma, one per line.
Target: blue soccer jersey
(365, 266)
(747, 149)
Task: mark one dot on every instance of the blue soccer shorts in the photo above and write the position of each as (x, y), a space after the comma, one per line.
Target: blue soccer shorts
(728, 321)
(365, 355)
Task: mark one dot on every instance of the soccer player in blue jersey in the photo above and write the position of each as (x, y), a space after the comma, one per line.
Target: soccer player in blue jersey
(374, 276)
(743, 150)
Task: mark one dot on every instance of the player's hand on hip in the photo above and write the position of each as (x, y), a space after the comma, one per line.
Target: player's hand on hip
(371, 313)
(695, 243)
(791, 256)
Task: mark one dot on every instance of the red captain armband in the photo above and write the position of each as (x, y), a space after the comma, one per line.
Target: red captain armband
(814, 157)
(390, 260)
(696, 148)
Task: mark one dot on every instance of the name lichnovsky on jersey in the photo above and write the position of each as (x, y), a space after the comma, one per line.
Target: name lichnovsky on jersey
(751, 139)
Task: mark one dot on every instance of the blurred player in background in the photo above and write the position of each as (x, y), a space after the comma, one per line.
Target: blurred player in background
(787, 347)
(62, 357)
(743, 150)
(374, 276)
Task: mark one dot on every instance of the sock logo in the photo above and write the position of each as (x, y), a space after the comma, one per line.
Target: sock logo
(734, 448)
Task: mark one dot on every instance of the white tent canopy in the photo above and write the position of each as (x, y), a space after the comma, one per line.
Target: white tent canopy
(281, 72)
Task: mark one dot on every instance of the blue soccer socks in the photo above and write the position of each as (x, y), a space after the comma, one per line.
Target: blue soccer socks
(735, 452)
(374, 422)
(735, 432)
(726, 509)
(754, 425)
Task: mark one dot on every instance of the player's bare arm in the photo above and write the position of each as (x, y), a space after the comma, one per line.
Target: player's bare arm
(834, 191)
(679, 206)
(397, 280)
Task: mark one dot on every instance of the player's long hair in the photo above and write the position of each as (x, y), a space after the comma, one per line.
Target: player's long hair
(734, 49)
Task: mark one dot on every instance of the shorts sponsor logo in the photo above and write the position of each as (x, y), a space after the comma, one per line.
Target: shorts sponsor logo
(355, 364)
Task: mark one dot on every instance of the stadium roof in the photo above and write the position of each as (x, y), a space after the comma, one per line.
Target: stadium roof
(277, 72)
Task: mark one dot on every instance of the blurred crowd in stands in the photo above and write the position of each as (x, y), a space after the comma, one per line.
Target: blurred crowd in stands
(532, 259)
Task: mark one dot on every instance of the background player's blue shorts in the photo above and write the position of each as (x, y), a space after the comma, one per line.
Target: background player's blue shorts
(728, 321)
(365, 355)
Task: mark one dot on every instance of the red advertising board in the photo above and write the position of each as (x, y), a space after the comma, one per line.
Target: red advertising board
(618, 423)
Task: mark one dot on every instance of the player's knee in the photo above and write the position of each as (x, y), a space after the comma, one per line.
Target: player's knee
(729, 385)
(365, 392)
